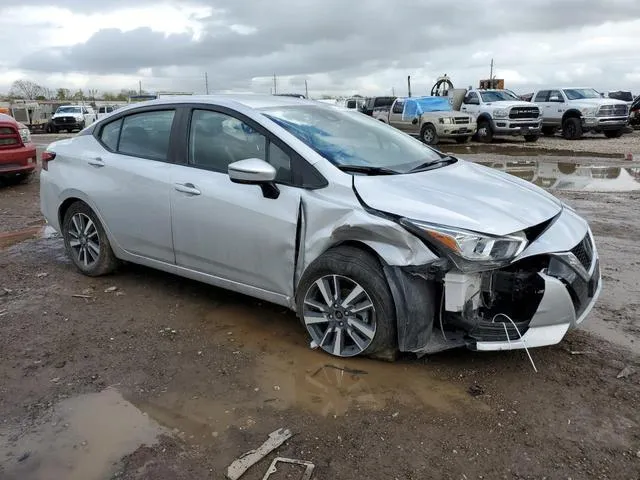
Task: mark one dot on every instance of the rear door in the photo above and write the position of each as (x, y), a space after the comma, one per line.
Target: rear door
(395, 116)
(556, 107)
(228, 230)
(128, 180)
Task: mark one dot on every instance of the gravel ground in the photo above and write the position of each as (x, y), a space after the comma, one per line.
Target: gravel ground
(144, 375)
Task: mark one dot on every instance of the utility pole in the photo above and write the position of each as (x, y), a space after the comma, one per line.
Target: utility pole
(140, 87)
(409, 85)
(393, 91)
(206, 82)
(275, 84)
(306, 89)
(491, 71)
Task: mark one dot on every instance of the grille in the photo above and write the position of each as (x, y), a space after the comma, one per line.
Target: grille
(584, 252)
(461, 120)
(495, 332)
(64, 120)
(613, 111)
(524, 112)
(9, 138)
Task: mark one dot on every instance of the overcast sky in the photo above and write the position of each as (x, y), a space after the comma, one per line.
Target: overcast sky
(338, 46)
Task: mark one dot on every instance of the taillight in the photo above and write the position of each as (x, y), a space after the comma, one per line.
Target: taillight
(46, 158)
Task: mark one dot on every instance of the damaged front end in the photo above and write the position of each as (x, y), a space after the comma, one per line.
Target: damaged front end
(532, 301)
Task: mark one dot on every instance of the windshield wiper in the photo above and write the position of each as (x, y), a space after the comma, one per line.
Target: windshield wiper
(447, 159)
(367, 170)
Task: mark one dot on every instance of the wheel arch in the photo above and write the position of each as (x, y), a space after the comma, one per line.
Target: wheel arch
(573, 113)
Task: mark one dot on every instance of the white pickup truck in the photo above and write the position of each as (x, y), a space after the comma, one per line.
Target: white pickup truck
(428, 118)
(501, 112)
(72, 117)
(580, 110)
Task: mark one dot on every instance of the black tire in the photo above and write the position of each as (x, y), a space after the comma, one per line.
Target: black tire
(365, 269)
(18, 179)
(462, 139)
(106, 261)
(572, 128)
(531, 138)
(429, 134)
(548, 131)
(81, 126)
(485, 132)
(613, 133)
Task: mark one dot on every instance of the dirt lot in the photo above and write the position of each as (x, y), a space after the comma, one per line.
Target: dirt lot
(164, 378)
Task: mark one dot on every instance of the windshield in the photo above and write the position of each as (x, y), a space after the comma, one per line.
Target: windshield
(580, 93)
(350, 138)
(498, 96)
(69, 110)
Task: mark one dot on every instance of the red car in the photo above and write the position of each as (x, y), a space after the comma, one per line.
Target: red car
(17, 153)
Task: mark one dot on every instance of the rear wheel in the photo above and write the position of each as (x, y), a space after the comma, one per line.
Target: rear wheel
(345, 304)
(86, 241)
(485, 132)
(429, 135)
(613, 133)
(462, 139)
(572, 128)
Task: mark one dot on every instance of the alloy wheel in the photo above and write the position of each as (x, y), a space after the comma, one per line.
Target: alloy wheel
(84, 240)
(339, 315)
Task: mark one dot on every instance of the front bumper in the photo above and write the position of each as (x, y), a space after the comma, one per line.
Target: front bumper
(17, 161)
(605, 123)
(62, 123)
(517, 127)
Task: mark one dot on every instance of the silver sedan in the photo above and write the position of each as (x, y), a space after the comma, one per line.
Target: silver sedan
(379, 243)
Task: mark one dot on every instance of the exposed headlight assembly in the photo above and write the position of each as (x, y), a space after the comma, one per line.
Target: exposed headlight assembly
(501, 113)
(588, 112)
(470, 251)
(25, 135)
(445, 120)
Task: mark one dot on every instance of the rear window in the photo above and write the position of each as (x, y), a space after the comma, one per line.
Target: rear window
(110, 133)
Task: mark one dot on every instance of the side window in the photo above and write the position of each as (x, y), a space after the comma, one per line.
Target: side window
(472, 99)
(110, 133)
(398, 107)
(217, 139)
(85, 111)
(281, 162)
(147, 134)
(556, 96)
(542, 96)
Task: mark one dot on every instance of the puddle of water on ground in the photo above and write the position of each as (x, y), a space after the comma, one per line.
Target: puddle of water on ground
(85, 438)
(288, 374)
(571, 176)
(8, 239)
(523, 150)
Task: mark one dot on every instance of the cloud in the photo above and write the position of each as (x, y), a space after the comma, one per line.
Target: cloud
(368, 46)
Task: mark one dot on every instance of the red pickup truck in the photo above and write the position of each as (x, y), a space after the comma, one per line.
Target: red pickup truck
(18, 157)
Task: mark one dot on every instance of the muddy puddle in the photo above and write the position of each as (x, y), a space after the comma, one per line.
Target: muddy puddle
(289, 375)
(8, 239)
(83, 438)
(558, 175)
(520, 149)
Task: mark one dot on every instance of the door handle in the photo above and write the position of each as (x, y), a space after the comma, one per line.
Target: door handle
(188, 188)
(96, 162)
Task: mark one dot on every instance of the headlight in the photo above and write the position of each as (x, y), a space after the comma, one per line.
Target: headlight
(25, 135)
(470, 251)
(588, 112)
(446, 120)
(501, 113)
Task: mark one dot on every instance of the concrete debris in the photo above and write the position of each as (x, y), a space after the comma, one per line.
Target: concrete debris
(247, 460)
(476, 390)
(110, 289)
(42, 274)
(626, 371)
(273, 468)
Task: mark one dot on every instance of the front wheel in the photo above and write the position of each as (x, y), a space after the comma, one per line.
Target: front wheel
(429, 135)
(86, 241)
(613, 133)
(548, 131)
(345, 304)
(531, 138)
(572, 128)
(462, 139)
(485, 132)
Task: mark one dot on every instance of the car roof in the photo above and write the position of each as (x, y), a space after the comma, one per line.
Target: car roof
(248, 100)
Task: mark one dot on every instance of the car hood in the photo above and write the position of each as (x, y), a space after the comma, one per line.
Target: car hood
(511, 103)
(446, 114)
(596, 102)
(463, 195)
(62, 114)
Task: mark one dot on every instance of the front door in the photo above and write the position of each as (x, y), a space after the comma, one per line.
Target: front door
(229, 230)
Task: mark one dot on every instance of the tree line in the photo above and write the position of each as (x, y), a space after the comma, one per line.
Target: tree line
(28, 90)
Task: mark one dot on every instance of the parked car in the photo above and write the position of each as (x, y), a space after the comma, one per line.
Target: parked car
(104, 110)
(72, 117)
(579, 110)
(501, 112)
(428, 118)
(378, 242)
(372, 103)
(622, 95)
(18, 158)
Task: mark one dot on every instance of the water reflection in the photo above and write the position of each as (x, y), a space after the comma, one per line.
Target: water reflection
(571, 176)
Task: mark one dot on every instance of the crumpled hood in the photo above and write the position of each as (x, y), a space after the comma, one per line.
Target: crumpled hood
(463, 195)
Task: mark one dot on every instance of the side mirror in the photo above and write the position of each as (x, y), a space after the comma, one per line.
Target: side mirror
(414, 121)
(254, 171)
(555, 99)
